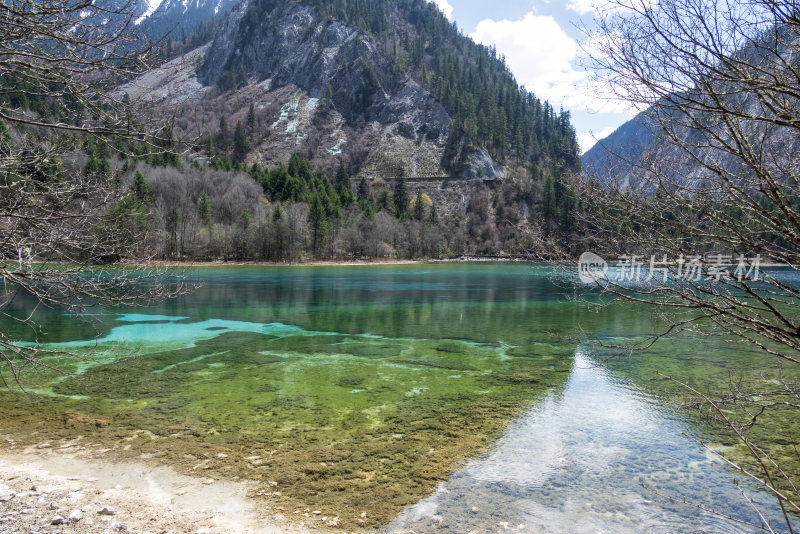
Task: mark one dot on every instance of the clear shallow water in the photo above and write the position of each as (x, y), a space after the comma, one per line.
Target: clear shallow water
(361, 389)
(597, 457)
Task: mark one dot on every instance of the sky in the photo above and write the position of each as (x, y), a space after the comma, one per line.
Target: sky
(541, 42)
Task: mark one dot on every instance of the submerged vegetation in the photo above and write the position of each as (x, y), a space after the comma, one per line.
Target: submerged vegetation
(333, 422)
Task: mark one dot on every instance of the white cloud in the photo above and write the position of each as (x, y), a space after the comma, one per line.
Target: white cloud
(445, 6)
(584, 7)
(538, 52)
(599, 92)
(581, 7)
(543, 58)
(588, 139)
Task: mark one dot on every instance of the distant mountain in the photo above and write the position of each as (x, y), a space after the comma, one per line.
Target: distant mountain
(613, 156)
(177, 18)
(701, 145)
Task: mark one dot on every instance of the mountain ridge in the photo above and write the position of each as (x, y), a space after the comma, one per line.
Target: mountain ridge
(174, 19)
(616, 154)
(427, 81)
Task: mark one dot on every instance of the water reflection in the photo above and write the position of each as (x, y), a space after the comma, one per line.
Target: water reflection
(598, 456)
(477, 302)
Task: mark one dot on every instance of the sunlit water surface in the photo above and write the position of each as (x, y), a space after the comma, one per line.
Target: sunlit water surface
(597, 457)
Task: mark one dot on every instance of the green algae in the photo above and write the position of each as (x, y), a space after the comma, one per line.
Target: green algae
(350, 422)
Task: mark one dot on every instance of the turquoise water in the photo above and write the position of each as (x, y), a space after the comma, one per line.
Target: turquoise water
(450, 397)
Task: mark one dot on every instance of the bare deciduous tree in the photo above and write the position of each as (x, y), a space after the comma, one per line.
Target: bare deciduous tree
(717, 188)
(59, 63)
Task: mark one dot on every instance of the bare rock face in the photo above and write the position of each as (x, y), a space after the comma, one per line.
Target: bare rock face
(293, 45)
(481, 165)
(223, 47)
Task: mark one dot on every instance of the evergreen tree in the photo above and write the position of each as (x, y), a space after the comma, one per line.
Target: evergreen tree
(97, 165)
(318, 219)
(279, 232)
(364, 194)
(433, 217)
(326, 106)
(244, 219)
(549, 199)
(343, 186)
(169, 151)
(173, 222)
(241, 144)
(385, 201)
(204, 209)
(251, 119)
(141, 188)
(419, 207)
(400, 198)
(222, 134)
(211, 150)
(299, 168)
(328, 195)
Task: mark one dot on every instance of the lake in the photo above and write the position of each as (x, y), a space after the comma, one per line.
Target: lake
(449, 397)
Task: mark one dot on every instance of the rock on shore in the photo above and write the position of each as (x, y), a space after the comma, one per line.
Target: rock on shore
(45, 492)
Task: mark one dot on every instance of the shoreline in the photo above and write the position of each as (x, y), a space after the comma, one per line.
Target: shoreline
(223, 263)
(66, 488)
(332, 263)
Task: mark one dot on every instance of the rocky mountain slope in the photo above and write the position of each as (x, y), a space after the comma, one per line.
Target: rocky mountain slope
(292, 58)
(388, 87)
(614, 155)
(311, 53)
(325, 104)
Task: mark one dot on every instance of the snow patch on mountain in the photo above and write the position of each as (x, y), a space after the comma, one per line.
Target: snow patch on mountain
(152, 6)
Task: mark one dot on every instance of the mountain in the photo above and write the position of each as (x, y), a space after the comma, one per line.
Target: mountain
(326, 105)
(176, 18)
(390, 86)
(308, 129)
(616, 154)
(720, 131)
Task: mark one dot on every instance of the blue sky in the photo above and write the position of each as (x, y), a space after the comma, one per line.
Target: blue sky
(541, 43)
